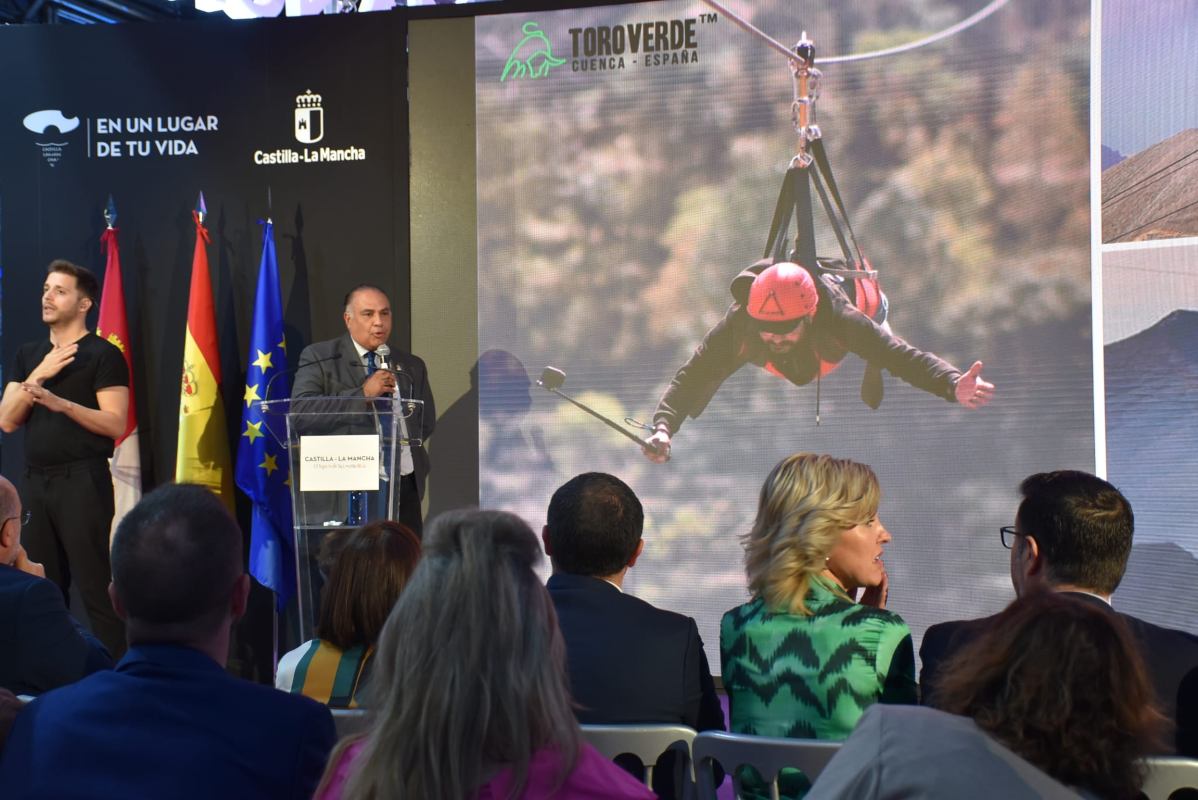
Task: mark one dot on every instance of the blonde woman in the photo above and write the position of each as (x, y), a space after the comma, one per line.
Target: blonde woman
(469, 694)
(803, 658)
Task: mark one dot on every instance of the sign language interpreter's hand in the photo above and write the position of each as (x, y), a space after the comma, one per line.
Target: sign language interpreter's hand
(53, 363)
(44, 397)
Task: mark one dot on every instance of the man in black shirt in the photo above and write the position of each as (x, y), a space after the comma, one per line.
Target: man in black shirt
(71, 393)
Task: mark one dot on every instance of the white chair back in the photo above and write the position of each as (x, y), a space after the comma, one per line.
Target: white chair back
(646, 742)
(766, 754)
(1167, 774)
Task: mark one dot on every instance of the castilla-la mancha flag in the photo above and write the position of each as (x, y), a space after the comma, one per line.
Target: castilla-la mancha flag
(203, 453)
(113, 326)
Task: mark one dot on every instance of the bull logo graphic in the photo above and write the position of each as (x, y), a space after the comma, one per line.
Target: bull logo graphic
(309, 118)
(532, 57)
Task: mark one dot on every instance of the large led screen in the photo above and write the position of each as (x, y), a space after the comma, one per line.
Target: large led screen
(629, 163)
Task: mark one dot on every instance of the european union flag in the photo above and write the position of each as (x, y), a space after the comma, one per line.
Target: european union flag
(262, 471)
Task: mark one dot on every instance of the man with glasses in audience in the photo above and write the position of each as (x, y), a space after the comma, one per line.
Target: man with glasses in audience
(1073, 533)
(41, 645)
(800, 328)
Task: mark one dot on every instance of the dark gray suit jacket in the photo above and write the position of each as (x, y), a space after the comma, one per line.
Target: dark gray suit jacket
(333, 369)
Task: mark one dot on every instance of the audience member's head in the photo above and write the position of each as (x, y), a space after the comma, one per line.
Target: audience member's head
(1059, 681)
(1073, 531)
(10, 527)
(329, 549)
(807, 504)
(371, 566)
(177, 573)
(470, 672)
(594, 526)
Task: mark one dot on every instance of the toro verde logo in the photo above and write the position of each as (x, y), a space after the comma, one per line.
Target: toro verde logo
(532, 57)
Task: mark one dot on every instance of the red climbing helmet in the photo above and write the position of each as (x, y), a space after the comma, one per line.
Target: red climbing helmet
(783, 292)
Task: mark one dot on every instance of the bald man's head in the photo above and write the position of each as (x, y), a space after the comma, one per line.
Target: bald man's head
(10, 501)
(10, 522)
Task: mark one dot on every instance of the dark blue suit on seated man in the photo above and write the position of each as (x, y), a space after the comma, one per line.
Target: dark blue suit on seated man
(41, 644)
(628, 661)
(1073, 533)
(169, 721)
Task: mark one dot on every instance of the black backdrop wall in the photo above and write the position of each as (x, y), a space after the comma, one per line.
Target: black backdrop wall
(337, 222)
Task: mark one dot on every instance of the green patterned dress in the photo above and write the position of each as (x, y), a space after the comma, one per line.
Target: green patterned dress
(812, 677)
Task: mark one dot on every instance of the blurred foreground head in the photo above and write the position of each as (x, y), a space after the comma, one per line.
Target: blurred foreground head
(177, 574)
(369, 567)
(1058, 680)
(470, 671)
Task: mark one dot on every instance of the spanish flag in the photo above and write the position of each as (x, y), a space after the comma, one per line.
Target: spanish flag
(203, 453)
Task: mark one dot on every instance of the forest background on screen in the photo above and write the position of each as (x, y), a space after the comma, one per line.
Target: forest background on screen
(616, 205)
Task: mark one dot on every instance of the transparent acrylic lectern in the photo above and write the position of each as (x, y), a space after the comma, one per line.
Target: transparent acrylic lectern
(345, 456)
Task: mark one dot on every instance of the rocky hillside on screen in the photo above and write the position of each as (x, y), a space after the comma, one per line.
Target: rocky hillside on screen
(1153, 194)
(1152, 425)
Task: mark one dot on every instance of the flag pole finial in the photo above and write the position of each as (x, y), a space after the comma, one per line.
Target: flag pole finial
(110, 213)
(269, 209)
(201, 208)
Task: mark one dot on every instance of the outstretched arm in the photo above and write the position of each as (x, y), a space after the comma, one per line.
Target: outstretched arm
(695, 383)
(921, 369)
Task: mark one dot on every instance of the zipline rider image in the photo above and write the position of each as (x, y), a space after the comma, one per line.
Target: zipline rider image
(800, 328)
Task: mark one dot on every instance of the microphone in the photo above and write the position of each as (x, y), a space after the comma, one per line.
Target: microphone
(382, 351)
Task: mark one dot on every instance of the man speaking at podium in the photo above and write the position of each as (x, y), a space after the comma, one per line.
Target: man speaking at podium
(359, 364)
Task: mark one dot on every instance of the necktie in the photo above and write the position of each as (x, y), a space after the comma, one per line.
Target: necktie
(372, 363)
